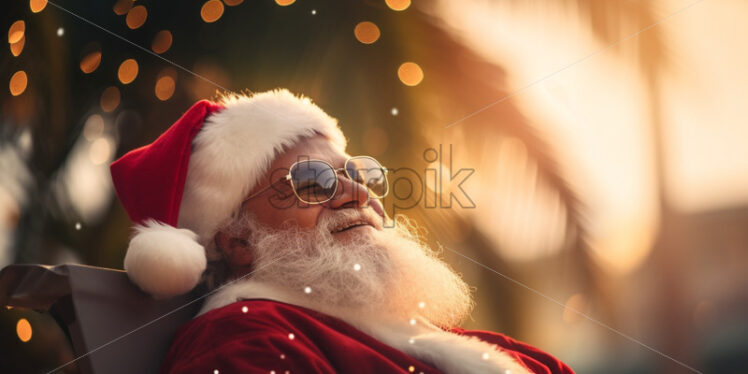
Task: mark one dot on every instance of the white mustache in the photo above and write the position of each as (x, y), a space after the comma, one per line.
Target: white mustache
(337, 219)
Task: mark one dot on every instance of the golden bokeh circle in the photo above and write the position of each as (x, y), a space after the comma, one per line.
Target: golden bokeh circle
(398, 4)
(23, 330)
(90, 62)
(110, 99)
(122, 7)
(16, 31)
(18, 83)
(165, 86)
(162, 41)
(17, 47)
(211, 11)
(366, 32)
(233, 2)
(37, 5)
(136, 17)
(284, 2)
(410, 74)
(128, 71)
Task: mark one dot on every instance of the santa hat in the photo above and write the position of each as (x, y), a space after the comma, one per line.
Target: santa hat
(182, 187)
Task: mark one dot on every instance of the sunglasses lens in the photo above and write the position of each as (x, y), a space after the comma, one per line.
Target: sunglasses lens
(370, 173)
(313, 181)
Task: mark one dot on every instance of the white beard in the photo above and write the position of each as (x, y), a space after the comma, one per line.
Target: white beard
(382, 299)
(388, 272)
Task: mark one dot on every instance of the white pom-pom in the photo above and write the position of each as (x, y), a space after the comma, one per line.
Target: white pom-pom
(164, 261)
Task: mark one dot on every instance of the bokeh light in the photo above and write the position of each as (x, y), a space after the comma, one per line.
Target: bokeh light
(90, 62)
(128, 71)
(109, 99)
(211, 11)
(94, 127)
(17, 47)
(410, 74)
(166, 84)
(398, 4)
(162, 41)
(136, 17)
(284, 2)
(100, 151)
(121, 7)
(16, 31)
(366, 32)
(18, 83)
(37, 5)
(23, 330)
(233, 2)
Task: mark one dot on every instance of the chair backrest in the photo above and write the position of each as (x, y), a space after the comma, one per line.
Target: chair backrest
(114, 326)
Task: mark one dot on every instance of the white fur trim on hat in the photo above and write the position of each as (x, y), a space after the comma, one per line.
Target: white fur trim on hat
(235, 148)
(164, 261)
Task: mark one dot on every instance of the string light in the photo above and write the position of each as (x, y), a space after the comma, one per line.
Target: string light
(16, 31)
(121, 7)
(398, 5)
(60, 31)
(23, 330)
(18, 83)
(128, 71)
(37, 5)
(17, 47)
(109, 99)
(90, 62)
(410, 74)
(366, 32)
(136, 17)
(162, 41)
(166, 84)
(211, 11)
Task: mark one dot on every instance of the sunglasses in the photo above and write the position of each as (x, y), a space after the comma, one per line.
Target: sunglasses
(316, 181)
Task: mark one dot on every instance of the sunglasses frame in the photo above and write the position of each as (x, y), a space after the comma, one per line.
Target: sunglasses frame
(289, 178)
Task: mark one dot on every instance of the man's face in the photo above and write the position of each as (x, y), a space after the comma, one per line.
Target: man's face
(278, 207)
(296, 245)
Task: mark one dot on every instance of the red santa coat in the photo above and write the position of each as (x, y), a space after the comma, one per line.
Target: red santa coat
(266, 336)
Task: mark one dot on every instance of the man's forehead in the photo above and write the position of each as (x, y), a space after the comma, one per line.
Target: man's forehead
(317, 147)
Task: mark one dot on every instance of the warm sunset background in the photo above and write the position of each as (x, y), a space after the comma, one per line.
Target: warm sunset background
(608, 141)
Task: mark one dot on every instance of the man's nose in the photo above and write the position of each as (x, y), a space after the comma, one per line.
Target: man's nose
(349, 194)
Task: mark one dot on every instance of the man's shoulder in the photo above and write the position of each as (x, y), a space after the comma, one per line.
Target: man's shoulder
(260, 312)
(532, 356)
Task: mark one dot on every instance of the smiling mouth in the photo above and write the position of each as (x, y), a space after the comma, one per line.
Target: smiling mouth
(351, 225)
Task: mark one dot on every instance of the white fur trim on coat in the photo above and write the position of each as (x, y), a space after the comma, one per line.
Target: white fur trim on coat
(164, 261)
(235, 148)
(449, 352)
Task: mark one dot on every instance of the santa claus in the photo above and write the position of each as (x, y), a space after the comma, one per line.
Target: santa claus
(257, 198)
